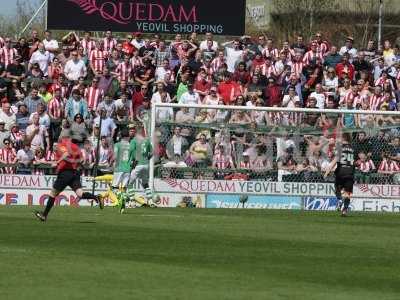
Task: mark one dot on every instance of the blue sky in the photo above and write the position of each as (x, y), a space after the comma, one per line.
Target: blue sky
(8, 6)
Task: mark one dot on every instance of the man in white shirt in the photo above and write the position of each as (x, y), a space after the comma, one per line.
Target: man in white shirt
(7, 115)
(319, 96)
(42, 57)
(232, 55)
(209, 37)
(75, 68)
(50, 44)
(190, 97)
(348, 48)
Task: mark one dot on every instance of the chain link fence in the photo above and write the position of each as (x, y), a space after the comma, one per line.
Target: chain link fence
(273, 145)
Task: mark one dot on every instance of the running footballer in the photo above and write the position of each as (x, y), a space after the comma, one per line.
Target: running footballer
(69, 161)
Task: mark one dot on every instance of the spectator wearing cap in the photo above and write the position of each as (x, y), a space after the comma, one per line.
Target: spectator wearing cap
(76, 105)
(16, 70)
(75, 68)
(349, 49)
(7, 115)
(33, 100)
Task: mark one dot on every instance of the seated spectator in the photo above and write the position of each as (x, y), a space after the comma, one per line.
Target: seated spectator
(364, 167)
(200, 152)
(39, 162)
(16, 136)
(78, 127)
(89, 157)
(22, 116)
(25, 157)
(106, 156)
(4, 134)
(7, 115)
(8, 156)
(177, 145)
(15, 92)
(286, 165)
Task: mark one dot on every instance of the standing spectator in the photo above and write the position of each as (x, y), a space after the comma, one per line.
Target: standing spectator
(109, 41)
(76, 105)
(345, 68)
(7, 115)
(22, 116)
(37, 134)
(87, 43)
(75, 68)
(42, 57)
(44, 118)
(50, 44)
(209, 40)
(349, 49)
(190, 97)
(33, 100)
(177, 145)
(97, 59)
(108, 126)
(7, 53)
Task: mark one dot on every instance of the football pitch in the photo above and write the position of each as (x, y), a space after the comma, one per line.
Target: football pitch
(86, 253)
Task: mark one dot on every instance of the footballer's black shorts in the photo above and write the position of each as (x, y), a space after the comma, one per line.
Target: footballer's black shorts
(71, 178)
(344, 183)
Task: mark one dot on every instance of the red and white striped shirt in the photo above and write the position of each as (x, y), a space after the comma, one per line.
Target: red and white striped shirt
(1, 42)
(295, 118)
(56, 108)
(376, 101)
(258, 163)
(93, 96)
(297, 68)
(390, 165)
(88, 46)
(8, 155)
(275, 118)
(273, 53)
(7, 55)
(217, 63)
(323, 47)
(64, 90)
(310, 55)
(366, 166)
(50, 155)
(136, 62)
(98, 60)
(88, 158)
(244, 165)
(222, 161)
(109, 44)
(124, 71)
(381, 82)
(289, 53)
(268, 71)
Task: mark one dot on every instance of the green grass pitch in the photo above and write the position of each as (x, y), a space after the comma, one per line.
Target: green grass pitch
(86, 253)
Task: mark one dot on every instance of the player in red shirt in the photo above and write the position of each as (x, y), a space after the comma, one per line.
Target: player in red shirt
(68, 160)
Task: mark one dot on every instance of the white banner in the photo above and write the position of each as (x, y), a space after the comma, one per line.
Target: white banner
(375, 205)
(271, 188)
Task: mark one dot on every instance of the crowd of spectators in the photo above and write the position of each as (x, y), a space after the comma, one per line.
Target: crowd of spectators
(48, 86)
